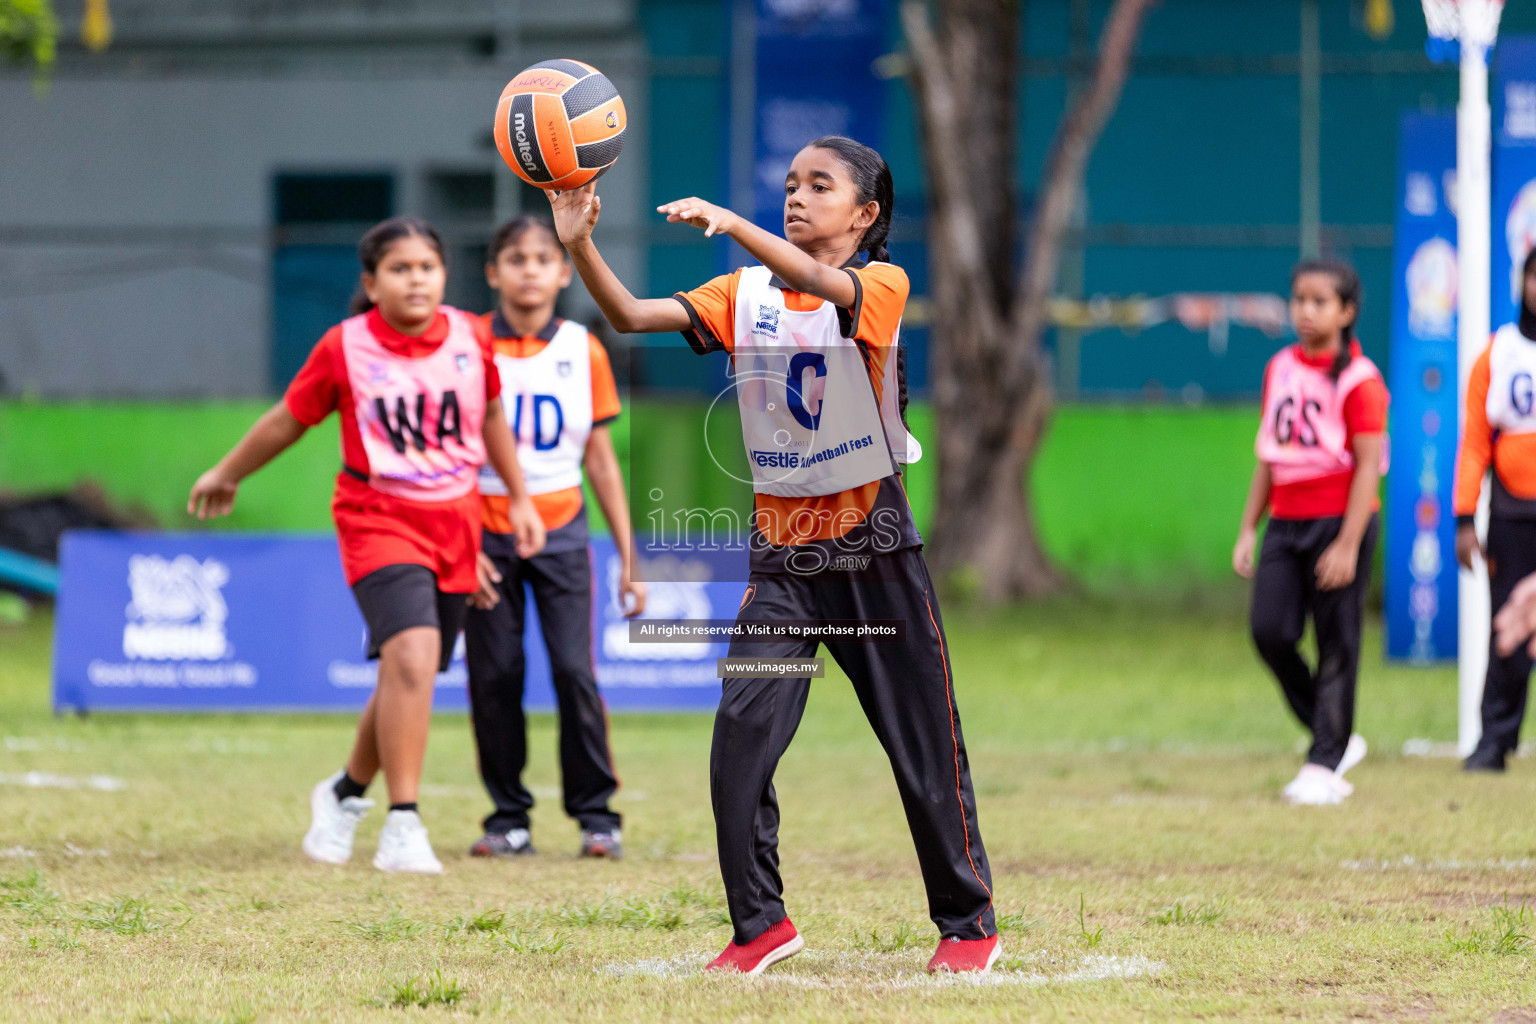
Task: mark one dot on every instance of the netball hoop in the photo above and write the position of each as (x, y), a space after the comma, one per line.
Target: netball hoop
(1465, 30)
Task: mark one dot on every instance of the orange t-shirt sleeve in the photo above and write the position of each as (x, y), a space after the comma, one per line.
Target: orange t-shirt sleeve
(1476, 440)
(605, 393)
(712, 310)
(880, 298)
(314, 393)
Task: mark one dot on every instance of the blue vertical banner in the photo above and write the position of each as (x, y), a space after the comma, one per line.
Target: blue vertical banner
(1514, 172)
(1421, 528)
(802, 68)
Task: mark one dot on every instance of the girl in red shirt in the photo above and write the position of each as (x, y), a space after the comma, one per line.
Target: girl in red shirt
(416, 389)
(1321, 454)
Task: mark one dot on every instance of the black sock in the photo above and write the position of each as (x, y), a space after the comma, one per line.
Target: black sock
(403, 807)
(348, 786)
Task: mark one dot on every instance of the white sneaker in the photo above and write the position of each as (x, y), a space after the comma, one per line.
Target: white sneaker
(403, 846)
(1354, 753)
(332, 823)
(1316, 786)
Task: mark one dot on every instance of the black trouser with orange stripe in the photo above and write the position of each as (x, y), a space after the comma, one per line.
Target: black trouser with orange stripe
(493, 643)
(1511, 558)
(907, 694)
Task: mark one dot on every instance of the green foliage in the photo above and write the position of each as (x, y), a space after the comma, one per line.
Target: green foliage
(122, 915)
(429, 990)
(484, 923)
(903, 937)
(29, 34)
(528, 943)
(1507, 932)
(389, 928)
(1091, 939)
(1199, 913)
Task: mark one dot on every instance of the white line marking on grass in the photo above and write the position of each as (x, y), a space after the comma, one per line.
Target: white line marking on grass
(47, 780)
(23, 743)
(75, 851)
(841, 970)
(1407, 863)
(17, 851)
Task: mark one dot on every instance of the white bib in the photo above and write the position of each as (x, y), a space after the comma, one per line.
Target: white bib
(548, 400)
(1512, 382)
(809, 417)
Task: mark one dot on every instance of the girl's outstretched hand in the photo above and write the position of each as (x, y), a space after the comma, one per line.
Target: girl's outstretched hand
(212, 496)
(715, 220)
(575, 211)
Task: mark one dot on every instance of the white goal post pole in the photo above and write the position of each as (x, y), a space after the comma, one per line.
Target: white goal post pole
(1474, 288)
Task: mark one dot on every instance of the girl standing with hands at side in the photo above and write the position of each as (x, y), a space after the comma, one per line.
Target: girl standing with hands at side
(1321, 454)
(813, 335)
(417, 392)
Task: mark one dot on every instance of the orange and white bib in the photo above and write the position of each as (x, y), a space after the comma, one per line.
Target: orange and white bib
(809, 417)
(548, 399)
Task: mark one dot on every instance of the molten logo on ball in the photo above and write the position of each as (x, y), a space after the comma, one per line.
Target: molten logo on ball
(524, 144)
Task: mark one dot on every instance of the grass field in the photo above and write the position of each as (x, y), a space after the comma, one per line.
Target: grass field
(1127, 763)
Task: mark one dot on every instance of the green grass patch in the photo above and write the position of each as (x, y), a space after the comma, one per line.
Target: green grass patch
(429, 990)
(1128, 762)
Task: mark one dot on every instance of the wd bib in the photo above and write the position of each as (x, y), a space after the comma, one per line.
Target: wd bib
(420, 419)
(1303, 435)
(809, 417)
(548, 398)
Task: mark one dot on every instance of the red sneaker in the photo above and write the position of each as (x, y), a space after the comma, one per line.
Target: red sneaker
(964, 956)
(777, 943)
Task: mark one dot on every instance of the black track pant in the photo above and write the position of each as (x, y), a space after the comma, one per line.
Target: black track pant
(562, 590)
(1511, 558)
(908, 696)
(1285, 591)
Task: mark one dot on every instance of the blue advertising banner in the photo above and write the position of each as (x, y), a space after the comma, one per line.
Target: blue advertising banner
(1514, 172)
(1420, 529)
(812, 74)
(211, 622)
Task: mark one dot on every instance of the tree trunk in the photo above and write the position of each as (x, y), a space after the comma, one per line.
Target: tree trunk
(991, 387)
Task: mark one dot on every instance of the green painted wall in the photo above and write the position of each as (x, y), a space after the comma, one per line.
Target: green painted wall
(1141, 495)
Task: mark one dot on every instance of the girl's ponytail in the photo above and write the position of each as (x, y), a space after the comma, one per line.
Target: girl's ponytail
(1346, 284)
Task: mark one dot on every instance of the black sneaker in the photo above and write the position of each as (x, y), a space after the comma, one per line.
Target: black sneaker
(1485, 759)
(514, 843)
(602, 844)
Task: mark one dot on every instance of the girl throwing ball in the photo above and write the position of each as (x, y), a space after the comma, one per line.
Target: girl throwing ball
(1321, 453)
(813, 334)
(417, 392)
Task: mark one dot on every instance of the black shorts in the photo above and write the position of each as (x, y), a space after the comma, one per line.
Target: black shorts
(400, 597)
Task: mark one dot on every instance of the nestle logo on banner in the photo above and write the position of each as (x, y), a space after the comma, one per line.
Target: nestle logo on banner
(1520, 110)
(767, 320)
(177, 612)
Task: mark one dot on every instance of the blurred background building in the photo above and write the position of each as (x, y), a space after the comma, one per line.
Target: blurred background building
(178, 212)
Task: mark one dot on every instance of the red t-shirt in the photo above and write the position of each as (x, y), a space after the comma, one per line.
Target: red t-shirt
(376, 529)
(1365, 412)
